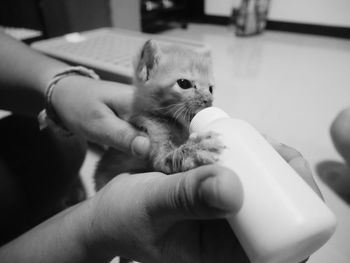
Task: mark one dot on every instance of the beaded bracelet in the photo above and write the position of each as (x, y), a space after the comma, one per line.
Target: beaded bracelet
(48, 114)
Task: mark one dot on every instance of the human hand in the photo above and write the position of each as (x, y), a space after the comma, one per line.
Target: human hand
(165, 218)
(96, 110)
(296, 161)
(155, 218)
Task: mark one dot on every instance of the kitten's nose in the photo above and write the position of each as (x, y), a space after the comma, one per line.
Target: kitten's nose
(207, 102)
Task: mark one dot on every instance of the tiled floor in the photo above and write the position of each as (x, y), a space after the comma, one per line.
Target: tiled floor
(289, 86)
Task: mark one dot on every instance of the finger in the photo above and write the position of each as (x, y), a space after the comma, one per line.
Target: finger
(297, 162)
(206, 192)
(288, 153)
(121, 135)
(301, 166)
(120, 99)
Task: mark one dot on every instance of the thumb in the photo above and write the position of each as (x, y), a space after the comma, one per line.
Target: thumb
(206, 192)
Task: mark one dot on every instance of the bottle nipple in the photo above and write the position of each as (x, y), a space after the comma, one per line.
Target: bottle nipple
(205, 117)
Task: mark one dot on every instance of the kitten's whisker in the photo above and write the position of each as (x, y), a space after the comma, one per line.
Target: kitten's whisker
(169, 109)
(178, 111)
(183, 111)
(173, 110)
(188, 115)
(185, 114)
(179, 103)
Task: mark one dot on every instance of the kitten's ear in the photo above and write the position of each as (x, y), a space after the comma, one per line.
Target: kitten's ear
(148, 60)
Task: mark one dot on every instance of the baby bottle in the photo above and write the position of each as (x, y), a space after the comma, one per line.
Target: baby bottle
(282, 220)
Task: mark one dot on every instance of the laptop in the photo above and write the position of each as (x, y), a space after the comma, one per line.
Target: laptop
(109, 51)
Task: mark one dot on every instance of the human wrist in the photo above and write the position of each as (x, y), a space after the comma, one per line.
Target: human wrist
(79, 224)
(93, 236)
(48, 114)
(44, 72)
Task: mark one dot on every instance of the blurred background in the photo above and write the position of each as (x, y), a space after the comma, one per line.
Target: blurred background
(283, 65)
(57, 17)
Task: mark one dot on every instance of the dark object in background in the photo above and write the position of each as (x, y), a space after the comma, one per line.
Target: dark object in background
(126, 14)
(159, 15)
(250, 18)
(65, 16)
(55, 17)
(59, 17)
(17, 16)
(20, 13)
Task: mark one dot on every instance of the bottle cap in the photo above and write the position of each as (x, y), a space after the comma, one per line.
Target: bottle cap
(205, 117)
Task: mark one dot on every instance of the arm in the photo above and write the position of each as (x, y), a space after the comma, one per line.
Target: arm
(101, 228)
(24, 75)
(147, 217)
(92, 109)
(60, 239)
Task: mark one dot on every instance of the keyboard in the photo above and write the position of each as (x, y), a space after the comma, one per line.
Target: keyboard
(109, 51)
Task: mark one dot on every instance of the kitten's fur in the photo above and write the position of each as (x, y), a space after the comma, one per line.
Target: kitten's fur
(173, 84)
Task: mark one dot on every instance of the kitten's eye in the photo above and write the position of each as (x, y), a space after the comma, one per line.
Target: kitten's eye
(184, 83)
(211, 89)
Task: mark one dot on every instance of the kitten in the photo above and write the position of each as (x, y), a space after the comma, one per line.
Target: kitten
(173, 84)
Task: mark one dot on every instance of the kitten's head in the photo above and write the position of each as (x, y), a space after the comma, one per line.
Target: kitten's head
(173, 80)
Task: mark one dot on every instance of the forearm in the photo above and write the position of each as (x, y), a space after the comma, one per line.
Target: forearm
(60, 239)
(24, 75)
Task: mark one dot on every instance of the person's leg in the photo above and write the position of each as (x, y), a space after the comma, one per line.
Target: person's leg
(37, 171)
(340, 133)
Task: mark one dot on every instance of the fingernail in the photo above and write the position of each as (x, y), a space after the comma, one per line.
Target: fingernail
(224, 192)
(307, 165)
(140, 146)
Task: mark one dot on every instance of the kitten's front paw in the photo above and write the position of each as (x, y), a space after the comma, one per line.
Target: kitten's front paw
(198, 150)
(204, 149)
